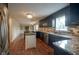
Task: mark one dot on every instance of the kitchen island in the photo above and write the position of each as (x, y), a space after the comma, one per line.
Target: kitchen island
(30, 40)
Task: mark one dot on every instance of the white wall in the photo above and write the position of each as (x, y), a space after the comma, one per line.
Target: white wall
(15, 29)
(10, 29)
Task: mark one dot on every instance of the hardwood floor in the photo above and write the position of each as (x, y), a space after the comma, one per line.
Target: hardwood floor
(18, 48)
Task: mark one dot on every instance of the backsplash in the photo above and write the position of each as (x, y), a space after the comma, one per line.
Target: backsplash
(46, 29)
(74, 30)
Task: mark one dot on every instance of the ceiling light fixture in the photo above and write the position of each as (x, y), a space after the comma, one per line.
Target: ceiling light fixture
(29, 16)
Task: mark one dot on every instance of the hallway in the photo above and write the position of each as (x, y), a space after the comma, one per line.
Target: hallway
(18, 48)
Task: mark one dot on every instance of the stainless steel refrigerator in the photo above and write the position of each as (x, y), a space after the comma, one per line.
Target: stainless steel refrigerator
(3, 30)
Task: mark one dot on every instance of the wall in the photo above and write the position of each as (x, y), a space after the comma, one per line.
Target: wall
(14, 29)
(10, 29)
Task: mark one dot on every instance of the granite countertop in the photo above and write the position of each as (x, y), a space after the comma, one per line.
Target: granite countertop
(71, 46)
(71, 36)
(29, 33)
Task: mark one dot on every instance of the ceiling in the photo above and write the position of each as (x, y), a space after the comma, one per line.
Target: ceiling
(39, 11)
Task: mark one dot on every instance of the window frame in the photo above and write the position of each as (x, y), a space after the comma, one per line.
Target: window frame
(65, 25)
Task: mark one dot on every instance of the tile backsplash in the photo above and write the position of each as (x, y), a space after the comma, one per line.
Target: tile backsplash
(46, 29)
(75, 30)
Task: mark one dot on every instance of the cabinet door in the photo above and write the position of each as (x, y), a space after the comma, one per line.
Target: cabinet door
(40, 23)
(74, 13)
(46, 22)
(50, 40)
(53, 38)
(37, 34)
(46, 38)
(67, 16)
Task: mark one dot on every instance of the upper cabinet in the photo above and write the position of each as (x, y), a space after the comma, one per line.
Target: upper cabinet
(72, 14)
(46, 22)
(67, 16)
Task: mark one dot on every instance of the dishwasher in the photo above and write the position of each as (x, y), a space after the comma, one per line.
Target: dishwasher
(46, 38)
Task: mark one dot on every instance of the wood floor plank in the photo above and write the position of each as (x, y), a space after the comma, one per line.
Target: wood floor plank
(18, 48)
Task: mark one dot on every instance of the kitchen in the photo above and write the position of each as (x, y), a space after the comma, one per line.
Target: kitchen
(43, 29)
(63, 37)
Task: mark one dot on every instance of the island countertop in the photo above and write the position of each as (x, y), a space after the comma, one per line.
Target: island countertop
(71, 46)
(30, 39)
(29, 33)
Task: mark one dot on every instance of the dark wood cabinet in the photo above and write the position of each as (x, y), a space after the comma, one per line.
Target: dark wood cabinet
(41, 23)
(43, 36)
(67, 16)
(72, 14)
(40, 35)
(37, 34)
(46, 22)
(46, 38)
(53, 38)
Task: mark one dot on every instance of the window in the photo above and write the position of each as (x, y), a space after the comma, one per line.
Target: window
(36, 27)
(60, 23)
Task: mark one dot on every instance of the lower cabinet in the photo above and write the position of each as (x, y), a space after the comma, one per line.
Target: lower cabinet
(40, 35)
(37, 34)
(46, 40)
(49, 39)
(53, 38)
(43, 36)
